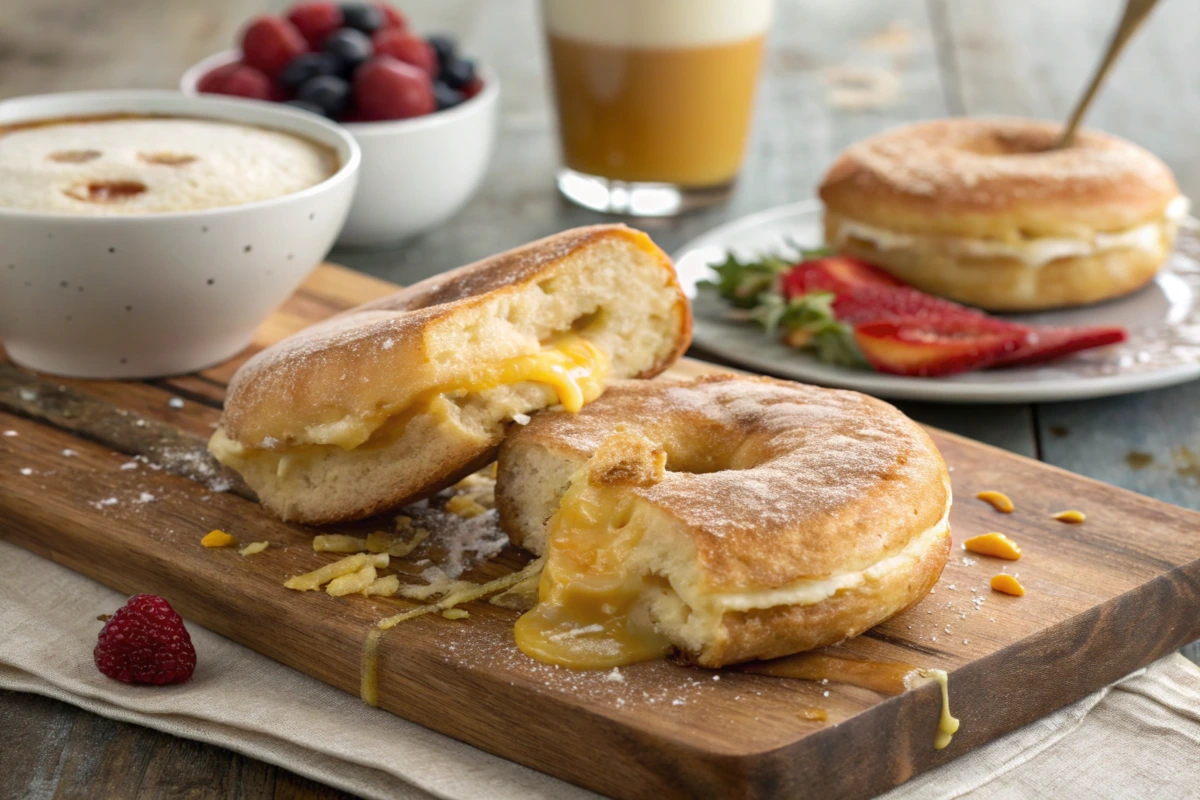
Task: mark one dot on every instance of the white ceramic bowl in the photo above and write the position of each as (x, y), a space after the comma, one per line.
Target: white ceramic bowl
(141, 295)
(417, 173)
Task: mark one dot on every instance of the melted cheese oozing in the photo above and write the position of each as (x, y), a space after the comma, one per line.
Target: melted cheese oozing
(571, 366)
(1034, 252)
(588, 614)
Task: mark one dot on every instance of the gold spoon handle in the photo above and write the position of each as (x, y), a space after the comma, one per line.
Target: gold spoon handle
(1135, 14)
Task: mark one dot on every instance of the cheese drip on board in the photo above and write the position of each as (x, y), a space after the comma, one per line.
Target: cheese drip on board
(589, 613)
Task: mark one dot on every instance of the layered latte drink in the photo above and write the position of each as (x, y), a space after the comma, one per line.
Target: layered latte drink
(653, 94)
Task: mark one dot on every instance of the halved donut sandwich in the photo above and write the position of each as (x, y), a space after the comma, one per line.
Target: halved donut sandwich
(397, 399)
(988, 212)
(726, 518)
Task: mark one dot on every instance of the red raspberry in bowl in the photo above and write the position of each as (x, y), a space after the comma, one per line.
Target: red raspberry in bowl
(385, 88)
(212, 81)
(391, 17)
(315, 21)
(269, 43)
(238, 80)
(145, 642)
(404, 46)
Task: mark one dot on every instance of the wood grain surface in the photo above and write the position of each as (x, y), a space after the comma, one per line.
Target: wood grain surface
(1131, 567)
(1019, 57)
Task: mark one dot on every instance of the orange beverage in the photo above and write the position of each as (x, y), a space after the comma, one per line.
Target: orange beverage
(653, 97)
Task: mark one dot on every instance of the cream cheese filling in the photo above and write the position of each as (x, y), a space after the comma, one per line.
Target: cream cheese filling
(1035, 252)
(809, 592)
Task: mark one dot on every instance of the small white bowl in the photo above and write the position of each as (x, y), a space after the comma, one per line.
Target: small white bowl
(143, 295)
(417, 173)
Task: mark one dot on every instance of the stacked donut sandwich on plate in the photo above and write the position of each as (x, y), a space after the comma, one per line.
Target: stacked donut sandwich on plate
(726, 518)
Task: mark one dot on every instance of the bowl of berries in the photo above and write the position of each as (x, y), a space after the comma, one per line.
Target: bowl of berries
(423, 113)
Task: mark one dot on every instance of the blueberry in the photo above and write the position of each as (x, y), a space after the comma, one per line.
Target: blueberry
(445, 96)
(311, 108)
(444, 45)
(362, 17)
(302, 69)
(457, 72)
(327, 92)
(351, 48)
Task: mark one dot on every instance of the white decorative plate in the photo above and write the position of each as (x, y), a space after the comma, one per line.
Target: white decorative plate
(1163, 320)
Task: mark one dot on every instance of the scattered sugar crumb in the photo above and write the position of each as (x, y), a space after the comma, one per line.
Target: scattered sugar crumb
(28, 395)
(966, 641)
(26, 471)
(141, 423)
(969, 562)
(68, 452)
(10, 433)
(145, 497)
(175, 402)
(825, 693)
(521, 419)
(129, 465)
(615, 676)
(716, 677)
(678, 701)
(108, 501)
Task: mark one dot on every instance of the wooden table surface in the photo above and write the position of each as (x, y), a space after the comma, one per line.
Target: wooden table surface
(977, 57)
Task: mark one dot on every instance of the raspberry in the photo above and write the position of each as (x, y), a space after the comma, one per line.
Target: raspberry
(391, 17)
(145, 642)
(315, 21)
(385, 88)
(269, 43)
(238, 80)
(404, 46)
(212, 81)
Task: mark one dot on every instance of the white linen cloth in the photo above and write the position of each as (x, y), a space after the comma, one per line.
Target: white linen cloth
(1137, 738)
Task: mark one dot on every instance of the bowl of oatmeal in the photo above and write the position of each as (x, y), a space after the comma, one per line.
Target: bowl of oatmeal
(149, 233)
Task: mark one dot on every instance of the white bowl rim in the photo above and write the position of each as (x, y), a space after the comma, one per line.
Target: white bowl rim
(213, 104)
(491, 89)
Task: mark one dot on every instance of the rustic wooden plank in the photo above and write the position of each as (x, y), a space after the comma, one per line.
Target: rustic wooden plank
(1089, 585)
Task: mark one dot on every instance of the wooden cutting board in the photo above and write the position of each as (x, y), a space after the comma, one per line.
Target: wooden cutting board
(1104, 598)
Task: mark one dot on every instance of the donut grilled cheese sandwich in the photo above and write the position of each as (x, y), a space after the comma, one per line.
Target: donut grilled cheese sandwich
(727, 519)
(399, 398)
(988, 212)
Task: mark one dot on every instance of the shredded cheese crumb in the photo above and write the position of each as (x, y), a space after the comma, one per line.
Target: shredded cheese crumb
(254, 548)
(353, 583)
(383, 587)
(318, 577)
(466, 595)
(463, 506)
(1008, 585)
(338, 543)
(997, 500)
(456, 613)
(384, 542)
(218, 538)
(1072, 516)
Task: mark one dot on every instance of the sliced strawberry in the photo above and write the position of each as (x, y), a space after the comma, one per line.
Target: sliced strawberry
(836, 274)
(1043, 343)
(893, 348)
(867, 304)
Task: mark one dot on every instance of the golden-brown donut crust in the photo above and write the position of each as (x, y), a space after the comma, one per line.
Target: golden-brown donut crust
(997, 178)
(342, 366)
(807, 481)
